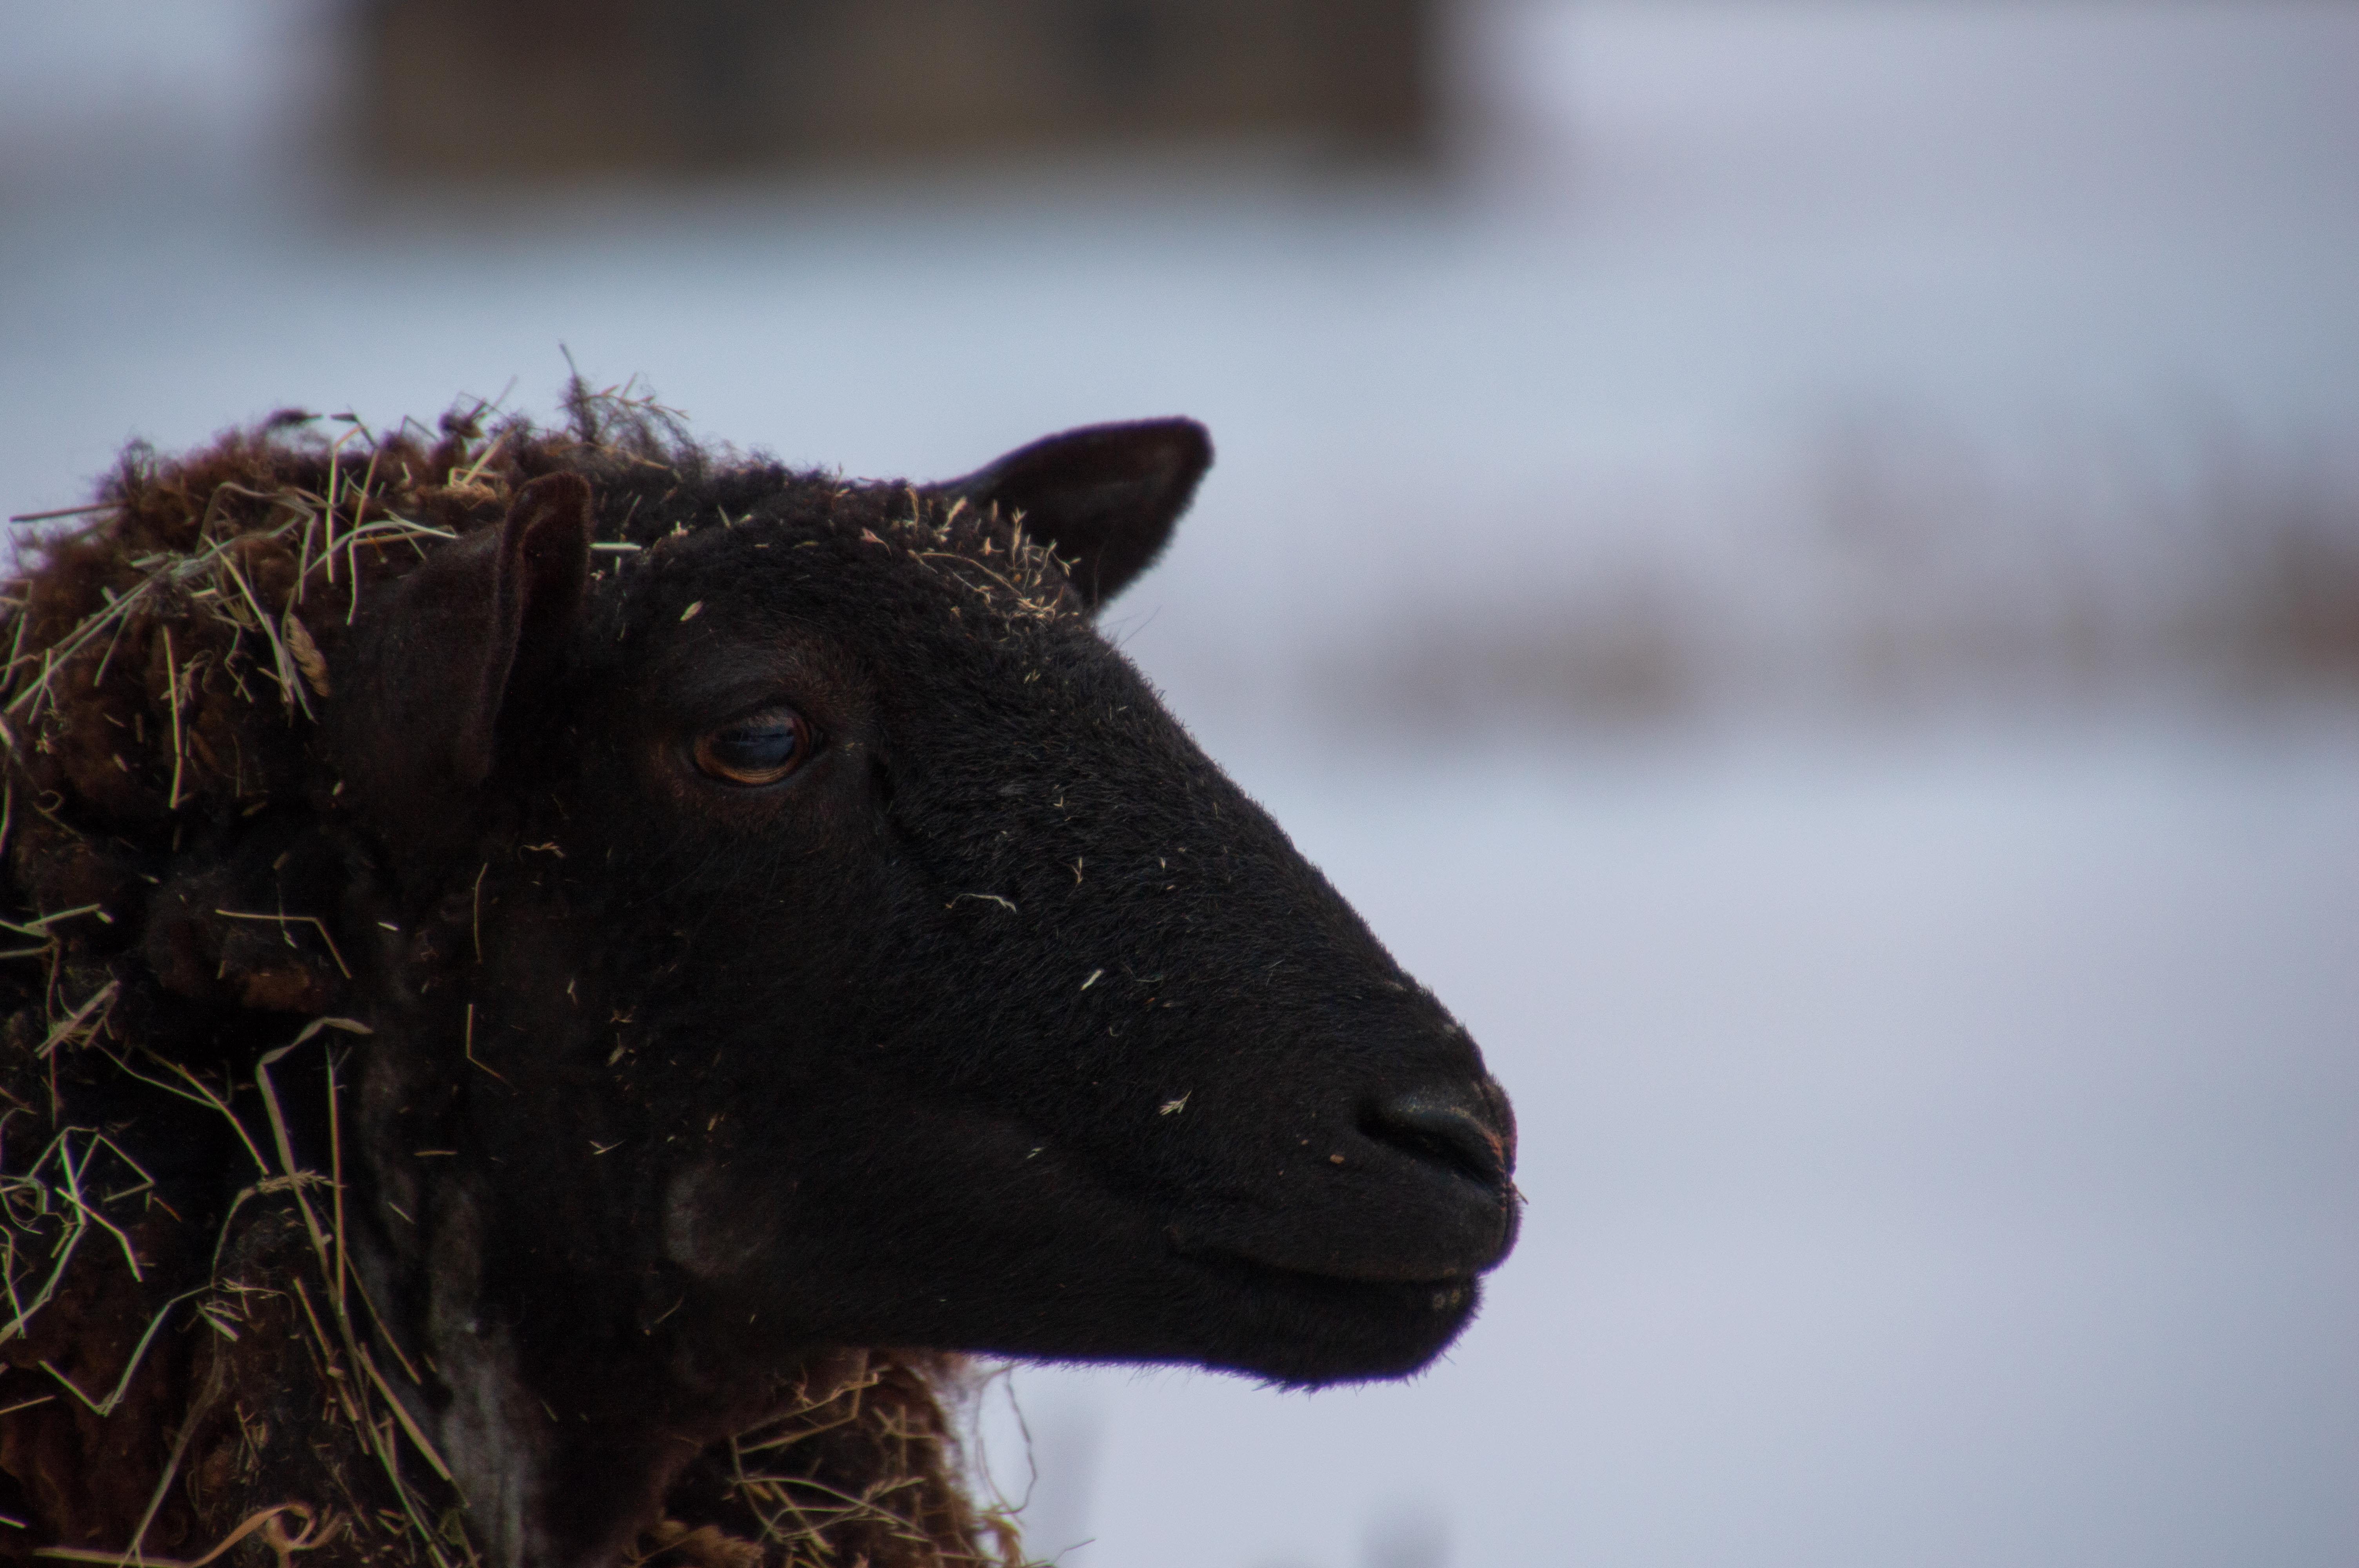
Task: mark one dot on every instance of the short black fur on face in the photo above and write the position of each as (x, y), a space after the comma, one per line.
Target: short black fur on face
(997, 1019)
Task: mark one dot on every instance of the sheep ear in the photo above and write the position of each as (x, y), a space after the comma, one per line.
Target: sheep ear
(538, 570)
(1103, 497)
(456, 643)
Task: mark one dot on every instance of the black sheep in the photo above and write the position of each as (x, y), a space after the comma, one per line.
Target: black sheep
(563, 978)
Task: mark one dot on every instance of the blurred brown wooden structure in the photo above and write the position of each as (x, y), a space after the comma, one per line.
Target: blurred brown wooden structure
(531, 89)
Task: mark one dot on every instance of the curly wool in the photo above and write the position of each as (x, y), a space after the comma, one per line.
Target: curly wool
(164, 1256)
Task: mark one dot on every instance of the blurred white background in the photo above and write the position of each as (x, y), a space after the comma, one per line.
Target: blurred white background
(1803, 578)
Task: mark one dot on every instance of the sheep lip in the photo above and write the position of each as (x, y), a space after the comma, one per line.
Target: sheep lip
(1232, 1262)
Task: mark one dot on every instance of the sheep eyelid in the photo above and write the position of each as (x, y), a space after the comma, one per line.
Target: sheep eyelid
(751, 768)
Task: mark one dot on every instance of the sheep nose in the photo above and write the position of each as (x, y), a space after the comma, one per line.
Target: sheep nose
(1459, 1129)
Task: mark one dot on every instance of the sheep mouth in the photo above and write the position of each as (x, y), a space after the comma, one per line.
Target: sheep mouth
(1383, 1276)
(1430, 1245)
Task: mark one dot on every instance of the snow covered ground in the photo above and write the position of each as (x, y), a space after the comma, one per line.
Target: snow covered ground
(1942, 1136)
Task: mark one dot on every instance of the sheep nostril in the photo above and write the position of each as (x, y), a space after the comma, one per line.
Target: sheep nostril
(1446, 1129)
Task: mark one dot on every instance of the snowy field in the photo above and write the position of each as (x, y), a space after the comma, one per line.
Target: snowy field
(1941, 1150)
(1941, 1132)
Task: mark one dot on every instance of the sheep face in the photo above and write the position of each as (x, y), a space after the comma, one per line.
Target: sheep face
(812, 932)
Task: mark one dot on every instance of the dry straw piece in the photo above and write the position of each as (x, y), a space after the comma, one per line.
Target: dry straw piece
(183, 1328)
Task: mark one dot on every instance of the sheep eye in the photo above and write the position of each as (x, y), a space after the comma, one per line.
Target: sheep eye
(759, 749)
